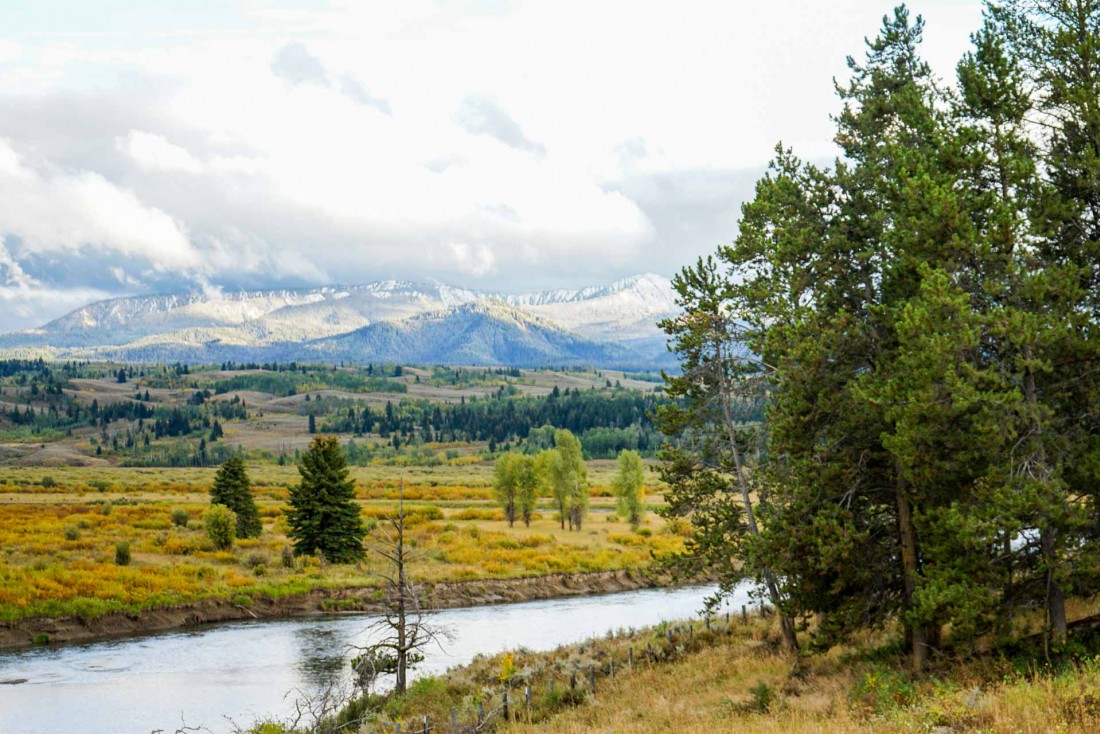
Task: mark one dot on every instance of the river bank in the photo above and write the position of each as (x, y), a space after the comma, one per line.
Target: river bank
(228, 677)
(444, 595)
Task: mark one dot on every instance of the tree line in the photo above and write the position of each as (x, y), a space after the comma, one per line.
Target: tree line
(920, 319)
(608, 421)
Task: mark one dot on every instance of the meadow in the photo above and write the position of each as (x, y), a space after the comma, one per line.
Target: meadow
(61, 530)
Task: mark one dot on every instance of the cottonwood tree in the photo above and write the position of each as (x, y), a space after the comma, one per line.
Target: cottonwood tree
(324, 517)
(515, 483)
(629, 486)
(563, 466)
(233, 489)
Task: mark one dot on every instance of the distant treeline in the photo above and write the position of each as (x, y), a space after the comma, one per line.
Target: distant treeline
(292, 382)
(607, 422)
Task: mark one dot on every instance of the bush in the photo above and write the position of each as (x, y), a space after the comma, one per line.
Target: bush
(180, 517)
(221, 526)
(71, 533)
(254, 559)
(122, 554)
(48, 481)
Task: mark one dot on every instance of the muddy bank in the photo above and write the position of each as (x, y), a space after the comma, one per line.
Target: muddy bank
(320, 601)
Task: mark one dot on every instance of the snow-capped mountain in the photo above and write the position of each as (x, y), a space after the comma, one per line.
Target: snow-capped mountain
(608, 325)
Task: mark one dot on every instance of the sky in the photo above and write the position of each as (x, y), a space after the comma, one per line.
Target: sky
(161, 146)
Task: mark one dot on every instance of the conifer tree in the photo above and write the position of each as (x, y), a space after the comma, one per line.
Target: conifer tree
(233, 489)
(324, 517)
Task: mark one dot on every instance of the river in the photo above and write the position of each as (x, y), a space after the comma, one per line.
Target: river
(219, 675)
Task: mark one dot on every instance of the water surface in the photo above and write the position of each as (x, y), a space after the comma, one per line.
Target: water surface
(216, 675)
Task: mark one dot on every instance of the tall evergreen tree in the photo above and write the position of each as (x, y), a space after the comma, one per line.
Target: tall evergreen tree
(323, 516)
(233, 489)
(924, 318)
(707, 469)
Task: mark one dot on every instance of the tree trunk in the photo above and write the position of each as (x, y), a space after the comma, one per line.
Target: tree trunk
(402, 639)
(907, 536)
(786, 623)
(1057, 629)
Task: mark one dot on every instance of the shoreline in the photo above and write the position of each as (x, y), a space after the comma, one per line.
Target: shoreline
(21, 634)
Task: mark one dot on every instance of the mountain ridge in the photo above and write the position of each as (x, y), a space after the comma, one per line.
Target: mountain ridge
(608, 325)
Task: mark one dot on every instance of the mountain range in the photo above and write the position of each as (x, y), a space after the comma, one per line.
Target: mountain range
(385, 321)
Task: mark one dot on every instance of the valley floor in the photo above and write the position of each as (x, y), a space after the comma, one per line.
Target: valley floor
(60, 529)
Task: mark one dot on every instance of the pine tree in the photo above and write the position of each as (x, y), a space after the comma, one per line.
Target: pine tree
(233, 489)
(324, 517)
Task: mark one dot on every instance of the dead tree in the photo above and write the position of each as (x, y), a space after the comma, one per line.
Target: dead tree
(404, 628)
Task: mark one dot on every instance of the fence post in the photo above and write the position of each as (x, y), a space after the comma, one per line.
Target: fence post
(691, 632)
(527, 695)
(649, 651)
(573, 679)
(630, 658)
(708, 623)
(506, 704)
(480, 714)
(611, 667)
(592, 677)
(669, 635)
(427, 724)
(454, 719)
(744, 615)
(550, 686)
(397, 727)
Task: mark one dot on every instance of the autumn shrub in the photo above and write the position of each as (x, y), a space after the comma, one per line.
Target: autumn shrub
(122, 554)
(180, 517)
(221, 526)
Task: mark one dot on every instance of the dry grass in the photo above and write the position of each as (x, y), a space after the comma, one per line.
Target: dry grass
(736, 681)
(59, 529)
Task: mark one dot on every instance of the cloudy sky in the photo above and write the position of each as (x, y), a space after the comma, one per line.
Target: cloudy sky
(494, 144)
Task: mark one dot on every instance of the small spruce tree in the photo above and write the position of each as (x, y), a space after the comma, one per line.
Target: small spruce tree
(323, 515)
(233, 489)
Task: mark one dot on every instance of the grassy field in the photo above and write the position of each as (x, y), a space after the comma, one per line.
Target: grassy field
(734, 679)
(60, 528)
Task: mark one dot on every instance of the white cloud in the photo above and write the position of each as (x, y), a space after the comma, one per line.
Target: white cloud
(509, 146)
(153, 152)
(81, 212)
(473, 259)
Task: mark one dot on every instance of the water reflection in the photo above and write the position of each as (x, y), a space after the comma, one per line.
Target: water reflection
(322, 653)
